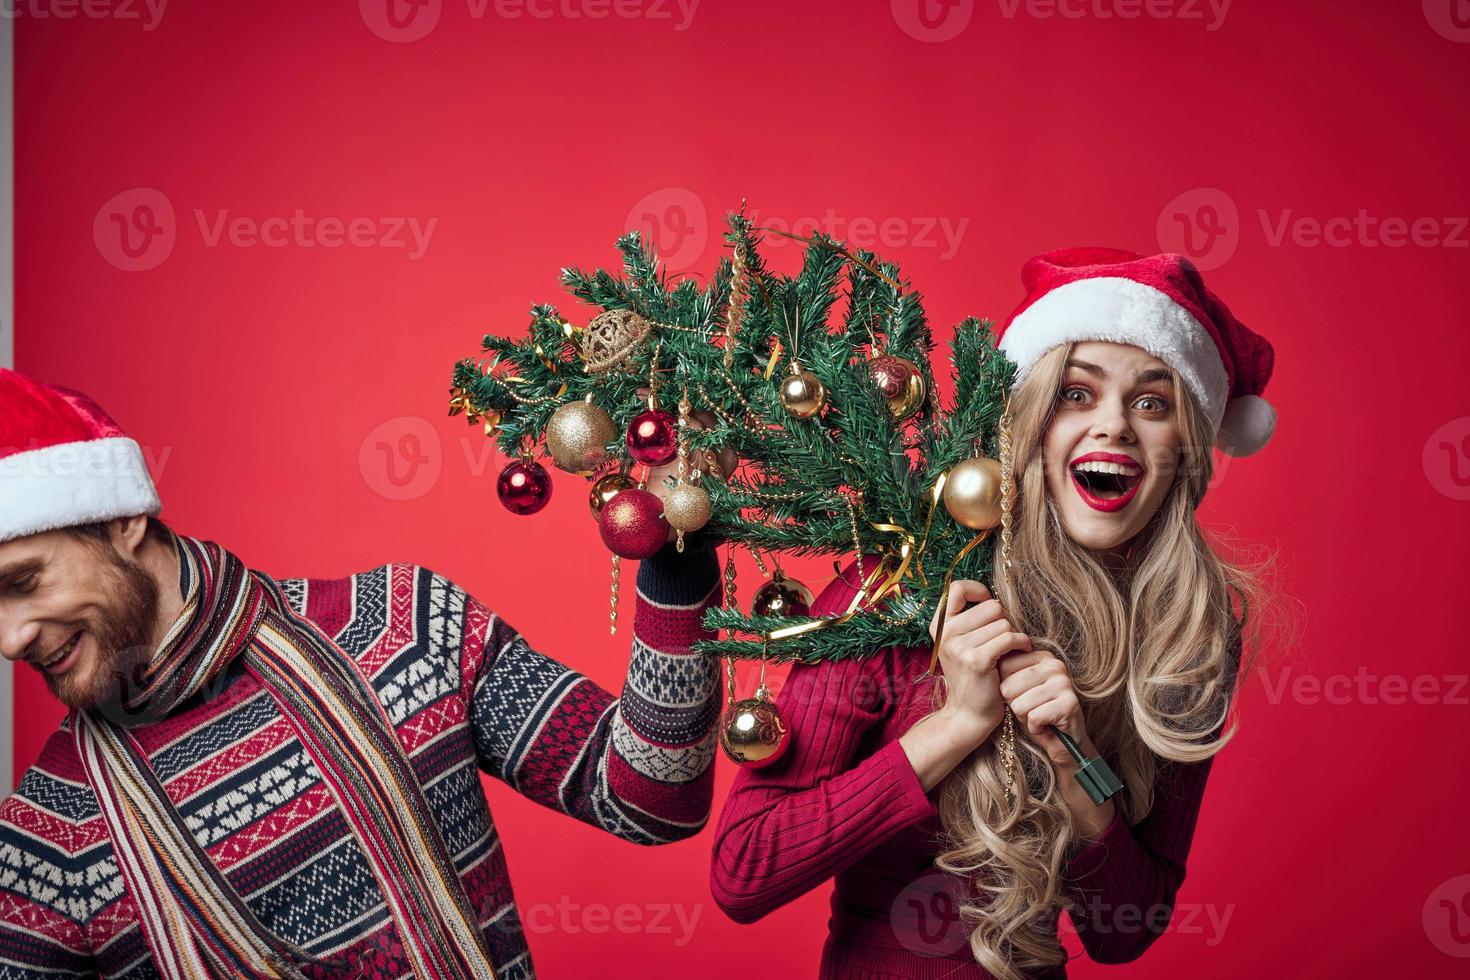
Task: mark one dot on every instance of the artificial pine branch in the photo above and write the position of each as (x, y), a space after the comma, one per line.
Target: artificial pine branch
(803, 482)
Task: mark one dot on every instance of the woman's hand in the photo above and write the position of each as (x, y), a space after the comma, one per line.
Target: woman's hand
(975, 639)
(1038, 687)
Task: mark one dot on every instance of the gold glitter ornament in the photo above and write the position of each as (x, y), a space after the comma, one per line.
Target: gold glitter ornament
(577, 436)
(687, 507)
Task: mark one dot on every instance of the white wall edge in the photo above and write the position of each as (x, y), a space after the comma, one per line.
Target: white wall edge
(7, 337)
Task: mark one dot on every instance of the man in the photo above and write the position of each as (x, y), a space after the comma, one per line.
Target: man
(279, 778)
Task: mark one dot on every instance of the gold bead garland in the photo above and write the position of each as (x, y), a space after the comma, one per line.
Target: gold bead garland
(613, 614)
(1007, 491)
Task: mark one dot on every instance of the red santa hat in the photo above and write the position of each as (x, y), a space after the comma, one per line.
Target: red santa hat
(64, 461)
(1158, 303)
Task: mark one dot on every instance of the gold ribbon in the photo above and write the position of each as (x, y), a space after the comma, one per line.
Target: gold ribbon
(935, 496)
(888, 576)
(775, 359)
(462, 402)
(902, 561)
(898, 561)
(550, 364)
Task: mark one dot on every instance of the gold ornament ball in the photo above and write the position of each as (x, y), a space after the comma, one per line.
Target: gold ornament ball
(687, 507)
(782, 596)
(972, 493)
(802, 393)
(612, 339)
(753, 733)
(605, 489)
(901, 383)
(577, 436)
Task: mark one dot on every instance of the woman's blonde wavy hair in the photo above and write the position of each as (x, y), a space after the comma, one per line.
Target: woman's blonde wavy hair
(1154, 653)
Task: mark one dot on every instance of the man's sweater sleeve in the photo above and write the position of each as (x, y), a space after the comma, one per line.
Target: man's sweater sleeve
(1126, 881)
(638, 766)
(788, 828)
(40, 874)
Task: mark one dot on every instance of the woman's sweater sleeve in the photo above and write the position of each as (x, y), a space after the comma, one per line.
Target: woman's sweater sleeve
(1125, 882)
(790, 827)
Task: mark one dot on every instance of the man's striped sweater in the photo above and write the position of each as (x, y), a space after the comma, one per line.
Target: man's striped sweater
(464, 692)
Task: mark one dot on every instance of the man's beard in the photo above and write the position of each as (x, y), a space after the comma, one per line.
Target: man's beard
(123, 634)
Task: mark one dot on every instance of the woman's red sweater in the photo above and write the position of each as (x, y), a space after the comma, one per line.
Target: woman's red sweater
(845, 805)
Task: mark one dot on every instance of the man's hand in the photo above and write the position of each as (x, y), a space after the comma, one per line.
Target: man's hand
(661, 479)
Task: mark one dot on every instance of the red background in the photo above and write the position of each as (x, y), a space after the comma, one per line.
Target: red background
(256, 376)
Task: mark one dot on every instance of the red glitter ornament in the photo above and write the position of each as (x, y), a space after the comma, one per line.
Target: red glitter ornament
(632, 524)
(653, 437)
(524, 486)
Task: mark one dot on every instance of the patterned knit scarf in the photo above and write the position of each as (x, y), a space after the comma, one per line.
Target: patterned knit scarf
(195, 922)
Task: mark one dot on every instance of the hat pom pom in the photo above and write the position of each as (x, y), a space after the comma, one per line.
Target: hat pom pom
(1247, 426)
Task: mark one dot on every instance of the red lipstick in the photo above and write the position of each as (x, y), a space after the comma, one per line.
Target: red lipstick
(1107, 504)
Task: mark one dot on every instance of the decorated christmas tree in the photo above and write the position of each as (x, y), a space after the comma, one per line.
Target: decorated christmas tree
(803, 417)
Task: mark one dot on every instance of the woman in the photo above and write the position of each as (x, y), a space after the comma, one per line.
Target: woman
(1115, 622)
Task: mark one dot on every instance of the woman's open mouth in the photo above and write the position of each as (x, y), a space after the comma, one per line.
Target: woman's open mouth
(1106, 481)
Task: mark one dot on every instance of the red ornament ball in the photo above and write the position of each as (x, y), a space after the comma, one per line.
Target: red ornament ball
(653, 437)
(891, 375)
(524, 486)
(632, 524)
